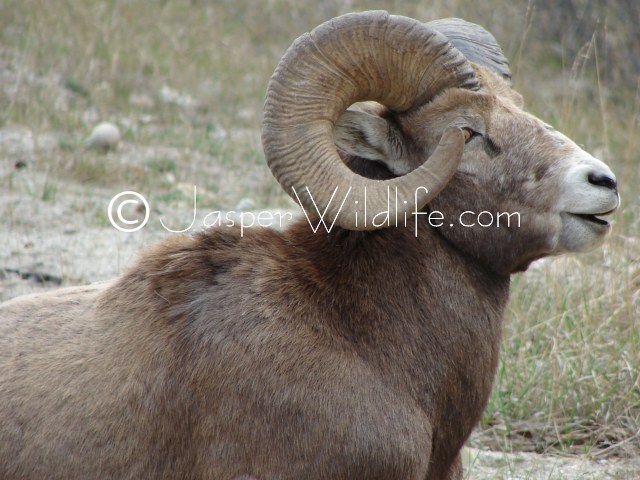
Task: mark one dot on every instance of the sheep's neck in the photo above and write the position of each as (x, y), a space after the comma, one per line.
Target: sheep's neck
(415, 308)
(502, 237)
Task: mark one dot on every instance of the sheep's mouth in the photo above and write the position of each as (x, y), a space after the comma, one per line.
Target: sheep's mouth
(593, 218)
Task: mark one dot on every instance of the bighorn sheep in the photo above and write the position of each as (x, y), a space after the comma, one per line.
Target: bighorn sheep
(363, 352)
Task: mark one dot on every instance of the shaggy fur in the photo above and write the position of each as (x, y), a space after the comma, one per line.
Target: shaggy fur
(282, 355)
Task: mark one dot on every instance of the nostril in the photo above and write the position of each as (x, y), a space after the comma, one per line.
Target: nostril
(602, 180)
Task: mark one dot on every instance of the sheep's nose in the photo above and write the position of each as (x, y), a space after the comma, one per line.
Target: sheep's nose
(602, 180)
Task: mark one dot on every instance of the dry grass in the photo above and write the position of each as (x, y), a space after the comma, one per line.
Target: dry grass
(185, 81)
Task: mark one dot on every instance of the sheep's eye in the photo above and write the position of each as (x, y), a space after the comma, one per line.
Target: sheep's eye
(469, 134)
(489, 146)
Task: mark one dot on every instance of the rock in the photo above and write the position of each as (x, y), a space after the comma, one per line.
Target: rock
(169, 95)
(17, 144)
(141, 100)
(245, 205)
(104, 137)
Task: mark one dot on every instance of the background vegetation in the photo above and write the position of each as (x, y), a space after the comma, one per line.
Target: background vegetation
(185, 81)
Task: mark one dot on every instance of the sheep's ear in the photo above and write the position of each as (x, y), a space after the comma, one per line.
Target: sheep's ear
(373, 138)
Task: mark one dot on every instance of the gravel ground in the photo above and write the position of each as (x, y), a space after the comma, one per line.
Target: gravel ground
(486, 465)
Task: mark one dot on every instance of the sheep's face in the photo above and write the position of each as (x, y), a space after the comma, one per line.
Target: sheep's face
(514, 161)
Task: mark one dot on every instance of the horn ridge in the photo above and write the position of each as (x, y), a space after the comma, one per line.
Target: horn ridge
(396, 61)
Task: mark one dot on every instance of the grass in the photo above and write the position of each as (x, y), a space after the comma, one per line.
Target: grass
(568, 379)
(185, 81)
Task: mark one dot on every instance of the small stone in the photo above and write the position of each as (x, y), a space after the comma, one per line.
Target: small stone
(104, 137)
(245, 205)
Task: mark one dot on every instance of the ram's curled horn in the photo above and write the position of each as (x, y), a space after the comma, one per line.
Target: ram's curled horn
(396, 61)
(475, 43)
